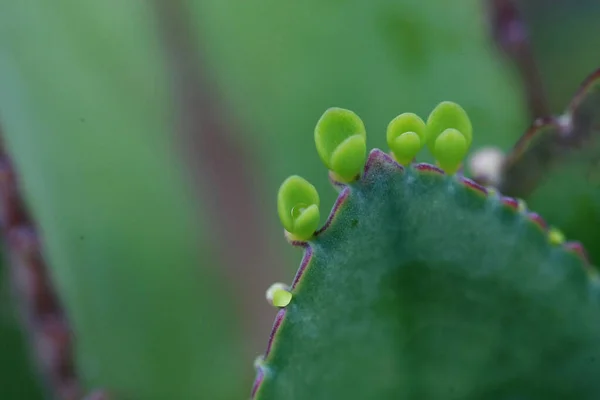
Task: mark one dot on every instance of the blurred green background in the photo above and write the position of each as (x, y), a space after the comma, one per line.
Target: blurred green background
(157, 211)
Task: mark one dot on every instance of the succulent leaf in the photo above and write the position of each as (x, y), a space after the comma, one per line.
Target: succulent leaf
(449, 135)
(424, 285)
(406, 135)
(447, 115)
(298, 207)
(451, 148)
(340, 137)
(555, 167)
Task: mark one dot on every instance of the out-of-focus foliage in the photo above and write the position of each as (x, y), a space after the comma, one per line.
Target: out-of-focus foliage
(86, 113)
(554, 167)
(564, 37)
(18, 375)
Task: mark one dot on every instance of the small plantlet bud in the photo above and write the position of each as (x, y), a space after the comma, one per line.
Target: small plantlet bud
(279, 295)
(449, 135)
(406, 136)
(341, 142)
(450, 149)
(486, 165)
(298, 207)
(258, 361)
(522, 207)
(492, 191)
(555, 236)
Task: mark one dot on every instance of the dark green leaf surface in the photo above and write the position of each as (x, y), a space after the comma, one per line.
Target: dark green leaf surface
(422, 286)
(555, 167)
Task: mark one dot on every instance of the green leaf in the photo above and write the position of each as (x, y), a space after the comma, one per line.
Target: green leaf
(448, 115)
(298, 207)
(449, 135)
(564, 41)
(86, 113)
(423, 285)
(555, 167)
(340, 138)
(406, 135)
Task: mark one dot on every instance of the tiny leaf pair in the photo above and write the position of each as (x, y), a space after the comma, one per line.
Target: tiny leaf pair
(298, 207)
(448, 135)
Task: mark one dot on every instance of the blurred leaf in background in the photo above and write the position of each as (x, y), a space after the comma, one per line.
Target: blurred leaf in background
(564, 37)
(18, 374)
(87, 117)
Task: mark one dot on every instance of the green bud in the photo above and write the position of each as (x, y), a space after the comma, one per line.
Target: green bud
(555, 236)
(449, 119)
(406, 135)
(450, 149)
(279, 295)
(298, 207)
(341, 142)
(259, 361)
(492, 191)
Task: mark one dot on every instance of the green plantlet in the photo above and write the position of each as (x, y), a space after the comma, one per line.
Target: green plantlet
(449, 135)
(279, 295)
(555, 236)
(425, 285)
(298, 207)
(406, 136)
(341, 141)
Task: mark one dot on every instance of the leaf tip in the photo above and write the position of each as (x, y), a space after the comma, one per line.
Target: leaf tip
(341, 141)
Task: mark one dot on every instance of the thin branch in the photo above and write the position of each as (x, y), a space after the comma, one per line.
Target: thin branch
(41, 310)
(510, 33)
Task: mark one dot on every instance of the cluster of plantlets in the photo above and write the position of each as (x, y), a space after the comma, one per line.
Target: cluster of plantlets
(424, 284)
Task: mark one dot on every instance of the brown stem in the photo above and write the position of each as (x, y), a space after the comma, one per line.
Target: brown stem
(41, 310)
(510, 33)
(224, 173)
